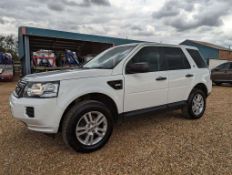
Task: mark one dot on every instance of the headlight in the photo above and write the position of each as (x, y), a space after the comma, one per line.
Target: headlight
(42, 89)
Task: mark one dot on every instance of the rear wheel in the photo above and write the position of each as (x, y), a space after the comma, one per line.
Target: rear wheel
(196, 105)
(87, 126)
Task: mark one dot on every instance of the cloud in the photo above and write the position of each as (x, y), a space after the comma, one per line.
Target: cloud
(166, 21)
(62, 4)
(2, 21)
(70, 2)
(181, 25)
(88, 3)
(140, 30)
(56, 6)
(100, 2)
(136, 28)
(173, 8)
(189, 15)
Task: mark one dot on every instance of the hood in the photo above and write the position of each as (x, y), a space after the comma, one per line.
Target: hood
(68, 74)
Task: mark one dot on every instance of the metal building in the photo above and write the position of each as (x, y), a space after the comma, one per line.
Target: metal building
(210, 51)
(32, 39)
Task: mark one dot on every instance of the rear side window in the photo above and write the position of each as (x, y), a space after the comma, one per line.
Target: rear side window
(231, 66)
(176, 59)
(197, 58)
(224, 66)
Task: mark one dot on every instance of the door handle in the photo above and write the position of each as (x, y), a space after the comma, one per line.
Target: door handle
(189, 75)
(161, 78)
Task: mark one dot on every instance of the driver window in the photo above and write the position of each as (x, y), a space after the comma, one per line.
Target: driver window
(150, 55)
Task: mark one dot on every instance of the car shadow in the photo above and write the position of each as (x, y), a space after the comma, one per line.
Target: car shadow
(223, 85)
(39, 142)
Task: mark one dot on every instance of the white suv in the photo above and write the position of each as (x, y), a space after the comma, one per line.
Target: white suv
(126, 80)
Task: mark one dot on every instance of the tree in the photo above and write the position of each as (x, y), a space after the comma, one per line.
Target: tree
(8, 43)
(2, 39)
(9, 40)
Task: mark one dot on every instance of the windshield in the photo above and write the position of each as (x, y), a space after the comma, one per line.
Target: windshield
(109, 58)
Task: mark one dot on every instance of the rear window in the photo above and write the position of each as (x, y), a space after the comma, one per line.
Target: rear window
(197, 58)
(176, 59)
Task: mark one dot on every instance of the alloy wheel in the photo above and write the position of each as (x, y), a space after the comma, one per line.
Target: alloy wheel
(198, 104)
(91, 128)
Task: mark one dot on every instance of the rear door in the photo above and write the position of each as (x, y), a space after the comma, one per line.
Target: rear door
(148, 89)
(180, 74)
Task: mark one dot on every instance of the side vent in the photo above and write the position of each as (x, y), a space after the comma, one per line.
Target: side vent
(115, 84)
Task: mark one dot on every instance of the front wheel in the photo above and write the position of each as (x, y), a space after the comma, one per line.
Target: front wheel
(196, 105)
(87, 126)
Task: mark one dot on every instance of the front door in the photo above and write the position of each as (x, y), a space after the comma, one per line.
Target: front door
(147, 89)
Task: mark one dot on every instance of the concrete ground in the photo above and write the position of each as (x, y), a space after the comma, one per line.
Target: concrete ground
(157, 144)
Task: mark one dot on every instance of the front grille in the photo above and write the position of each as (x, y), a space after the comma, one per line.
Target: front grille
(20, 88)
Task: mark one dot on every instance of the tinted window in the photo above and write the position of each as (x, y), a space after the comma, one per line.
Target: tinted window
(175, 58)
(197, 58)
(231, 66)
(152, 56)
(223, 66)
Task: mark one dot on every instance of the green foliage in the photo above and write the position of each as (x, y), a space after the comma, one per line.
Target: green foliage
(9, 44)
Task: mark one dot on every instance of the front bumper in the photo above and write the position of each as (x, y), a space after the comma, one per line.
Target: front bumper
(46, 113)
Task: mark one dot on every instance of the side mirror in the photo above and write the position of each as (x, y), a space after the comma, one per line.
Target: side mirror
(141, 67)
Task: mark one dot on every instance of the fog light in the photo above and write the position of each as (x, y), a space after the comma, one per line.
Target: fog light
(30, 112)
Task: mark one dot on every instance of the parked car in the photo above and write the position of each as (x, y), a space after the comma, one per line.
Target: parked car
(125, 80)
(222, 73)
(6, 72)
(6, 67)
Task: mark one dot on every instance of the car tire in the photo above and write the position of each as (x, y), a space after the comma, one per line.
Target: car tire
(83, 135)
(196, 105)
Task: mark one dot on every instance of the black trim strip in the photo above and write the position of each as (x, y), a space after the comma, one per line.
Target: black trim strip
(171, 106)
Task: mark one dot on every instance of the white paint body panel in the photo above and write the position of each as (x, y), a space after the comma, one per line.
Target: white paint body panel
(143, 91)
(179, 85)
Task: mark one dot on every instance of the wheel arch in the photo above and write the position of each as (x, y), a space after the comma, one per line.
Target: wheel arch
(202, 87)
(101, 97)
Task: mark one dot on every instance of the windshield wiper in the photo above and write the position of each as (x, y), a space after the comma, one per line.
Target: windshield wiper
(100, 68)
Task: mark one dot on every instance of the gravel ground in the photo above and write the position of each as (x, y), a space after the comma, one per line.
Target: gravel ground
(159, 144)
